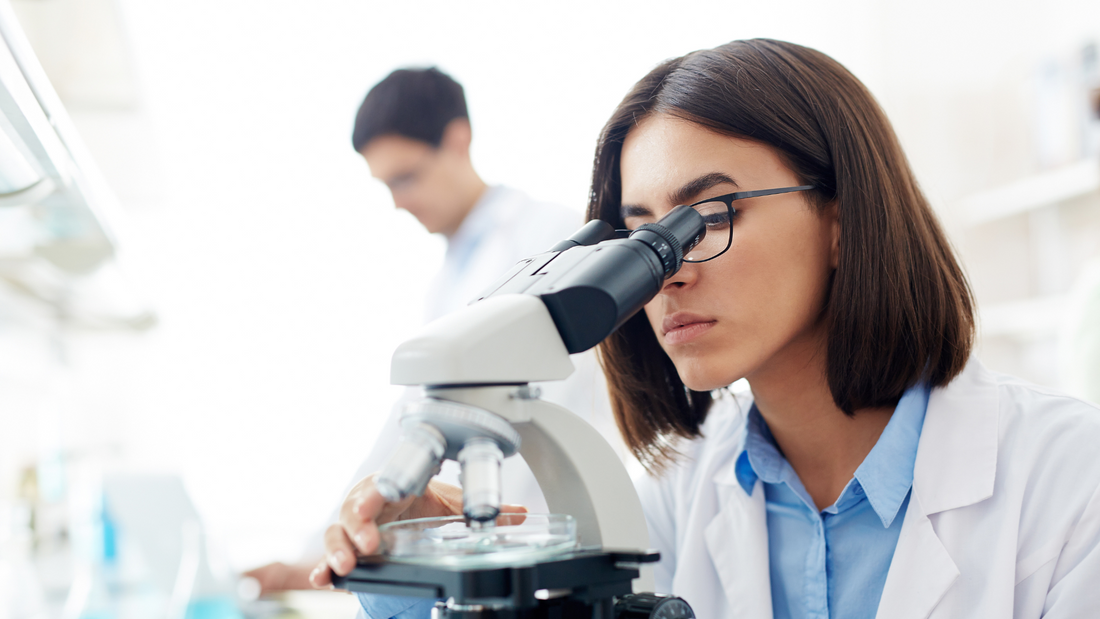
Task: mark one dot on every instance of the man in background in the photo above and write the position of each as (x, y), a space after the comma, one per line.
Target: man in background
(414, 132)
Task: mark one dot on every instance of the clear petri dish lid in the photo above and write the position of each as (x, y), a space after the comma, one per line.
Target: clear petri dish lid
(513, 539)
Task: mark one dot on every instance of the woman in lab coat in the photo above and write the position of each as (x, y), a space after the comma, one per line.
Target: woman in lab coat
(876, 469)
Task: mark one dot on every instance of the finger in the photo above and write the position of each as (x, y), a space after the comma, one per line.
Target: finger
(321, 576)
(439, 499)
(359, 518)
(517, 514)
(339, 552)
(362, 503)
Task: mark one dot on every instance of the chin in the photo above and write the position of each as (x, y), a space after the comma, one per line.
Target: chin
(701, 379)
(707, 372)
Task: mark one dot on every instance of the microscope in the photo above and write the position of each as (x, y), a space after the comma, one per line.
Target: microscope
(475, 366)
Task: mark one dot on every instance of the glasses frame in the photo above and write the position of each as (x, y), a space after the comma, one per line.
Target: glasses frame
(729, 198)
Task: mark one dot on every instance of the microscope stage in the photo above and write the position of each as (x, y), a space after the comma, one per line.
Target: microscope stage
(583, 574)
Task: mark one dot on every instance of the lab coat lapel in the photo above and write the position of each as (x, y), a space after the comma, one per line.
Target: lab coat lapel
(921, 571)
(956, 465)
(737, 540)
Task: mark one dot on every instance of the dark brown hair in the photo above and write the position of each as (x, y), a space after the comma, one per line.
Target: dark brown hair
(899, 309)
(413, 103)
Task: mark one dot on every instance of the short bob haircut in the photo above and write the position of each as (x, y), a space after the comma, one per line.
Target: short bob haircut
(899, 309)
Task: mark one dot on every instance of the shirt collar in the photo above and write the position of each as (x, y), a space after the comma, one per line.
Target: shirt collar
(885, 476)
(478, 222)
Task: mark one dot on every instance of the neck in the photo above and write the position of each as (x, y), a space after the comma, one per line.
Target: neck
(469, 188)
(822, 444)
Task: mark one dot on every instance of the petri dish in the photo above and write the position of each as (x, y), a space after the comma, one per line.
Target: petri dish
(514, 539)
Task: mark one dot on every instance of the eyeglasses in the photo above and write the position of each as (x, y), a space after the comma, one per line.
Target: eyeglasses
(408, 179)
(718, 213)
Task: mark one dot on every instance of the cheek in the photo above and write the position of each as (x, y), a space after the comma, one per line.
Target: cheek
(654, 313)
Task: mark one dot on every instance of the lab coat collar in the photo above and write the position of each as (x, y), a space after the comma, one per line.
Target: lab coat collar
(921, 571)
(737, 541)
(737, 537)
(957, 454)
(480, 221)
(956, 465)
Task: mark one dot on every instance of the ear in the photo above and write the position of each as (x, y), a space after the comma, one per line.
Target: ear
(832, 214)
(457, 136)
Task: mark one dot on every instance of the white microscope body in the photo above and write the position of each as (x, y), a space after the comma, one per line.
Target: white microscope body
(475, 365)
(512, 339)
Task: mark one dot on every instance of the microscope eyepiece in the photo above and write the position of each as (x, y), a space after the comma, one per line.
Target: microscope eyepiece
(674, 236)
(593, 232)
(593, 282)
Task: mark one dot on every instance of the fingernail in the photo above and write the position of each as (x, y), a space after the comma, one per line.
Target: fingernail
(313, 575)
(361, 539)
(337, 559)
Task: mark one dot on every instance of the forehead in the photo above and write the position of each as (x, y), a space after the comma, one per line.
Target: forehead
(662, 154)
(393, 155)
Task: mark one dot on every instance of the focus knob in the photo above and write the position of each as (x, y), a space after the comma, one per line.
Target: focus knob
(652, 606)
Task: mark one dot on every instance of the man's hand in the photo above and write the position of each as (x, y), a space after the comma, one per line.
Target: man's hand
(281, 577)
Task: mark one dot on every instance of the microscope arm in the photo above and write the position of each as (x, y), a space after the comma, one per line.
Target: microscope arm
(577, 470)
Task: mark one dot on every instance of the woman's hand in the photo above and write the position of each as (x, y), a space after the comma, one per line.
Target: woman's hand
(364, 509)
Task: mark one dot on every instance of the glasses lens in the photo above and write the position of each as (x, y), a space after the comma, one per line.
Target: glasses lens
(716, 215)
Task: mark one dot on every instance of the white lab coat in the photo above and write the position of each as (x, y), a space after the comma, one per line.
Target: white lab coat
(504, 227)
(1003, 521)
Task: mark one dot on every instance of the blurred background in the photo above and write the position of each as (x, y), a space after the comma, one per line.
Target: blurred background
(223, 314)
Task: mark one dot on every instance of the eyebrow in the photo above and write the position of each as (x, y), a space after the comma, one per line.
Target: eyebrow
(683, 195)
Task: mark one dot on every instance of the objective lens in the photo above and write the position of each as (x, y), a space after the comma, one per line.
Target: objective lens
(413, 463)
(480, 459)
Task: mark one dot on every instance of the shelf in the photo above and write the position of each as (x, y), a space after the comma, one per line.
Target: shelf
(1033, 192)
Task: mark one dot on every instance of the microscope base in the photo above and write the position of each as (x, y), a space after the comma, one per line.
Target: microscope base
(583, 583)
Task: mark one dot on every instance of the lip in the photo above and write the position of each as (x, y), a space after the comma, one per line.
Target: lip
(682, 327)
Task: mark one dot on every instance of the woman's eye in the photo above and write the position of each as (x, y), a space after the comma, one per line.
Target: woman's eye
(716, 215)
(717, 220)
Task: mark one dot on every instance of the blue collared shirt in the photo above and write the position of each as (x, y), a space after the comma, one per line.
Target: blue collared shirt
(833, 563)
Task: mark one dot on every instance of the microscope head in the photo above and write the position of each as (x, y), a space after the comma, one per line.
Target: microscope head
(563, 301)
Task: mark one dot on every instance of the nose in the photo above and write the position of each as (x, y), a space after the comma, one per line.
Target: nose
(686, 276)
(401, 202)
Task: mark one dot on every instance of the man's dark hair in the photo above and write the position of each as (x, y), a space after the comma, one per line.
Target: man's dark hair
(413, 103)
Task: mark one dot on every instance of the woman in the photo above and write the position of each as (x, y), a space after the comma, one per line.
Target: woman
(876, 470)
